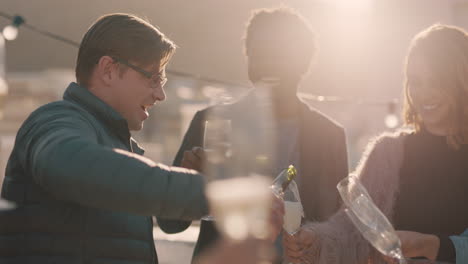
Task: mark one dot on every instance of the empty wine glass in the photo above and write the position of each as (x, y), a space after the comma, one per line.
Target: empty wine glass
(217, 140)
(368, 219)
(217, 145)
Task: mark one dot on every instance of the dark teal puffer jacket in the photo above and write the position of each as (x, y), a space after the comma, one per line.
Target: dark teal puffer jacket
(82, 195)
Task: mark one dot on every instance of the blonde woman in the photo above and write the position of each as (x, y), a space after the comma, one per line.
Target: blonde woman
(418, 178)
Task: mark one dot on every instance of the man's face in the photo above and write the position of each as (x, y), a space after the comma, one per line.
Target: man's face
(268, 62)
(263, 67)
(262, 64)
(133, 93)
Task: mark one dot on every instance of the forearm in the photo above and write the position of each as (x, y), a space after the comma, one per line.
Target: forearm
(337, 241)
(92, 175)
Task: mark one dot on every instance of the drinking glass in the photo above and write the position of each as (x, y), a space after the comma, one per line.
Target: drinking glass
(241, 206)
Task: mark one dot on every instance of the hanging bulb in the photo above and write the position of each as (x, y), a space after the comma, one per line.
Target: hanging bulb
(391, 119)
(10, 32)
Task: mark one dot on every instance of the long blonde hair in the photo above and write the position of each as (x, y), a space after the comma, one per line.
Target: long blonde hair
(445, 49)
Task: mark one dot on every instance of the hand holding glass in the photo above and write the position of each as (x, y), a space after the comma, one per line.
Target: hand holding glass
(285, 187)
(368, 219)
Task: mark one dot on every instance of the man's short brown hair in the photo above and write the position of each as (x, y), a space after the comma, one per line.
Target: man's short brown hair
(125, 36)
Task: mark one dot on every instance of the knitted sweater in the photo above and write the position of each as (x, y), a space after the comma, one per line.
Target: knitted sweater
(338, 241)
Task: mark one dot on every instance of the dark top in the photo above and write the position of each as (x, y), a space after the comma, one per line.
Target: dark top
(433, 190)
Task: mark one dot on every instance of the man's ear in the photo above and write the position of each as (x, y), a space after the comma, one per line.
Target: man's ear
(105, 69)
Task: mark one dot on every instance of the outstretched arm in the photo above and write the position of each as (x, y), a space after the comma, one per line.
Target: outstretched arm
(337, 240)
(66, 160)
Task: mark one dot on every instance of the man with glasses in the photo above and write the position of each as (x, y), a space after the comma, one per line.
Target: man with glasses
(158, 79)
(84, 193)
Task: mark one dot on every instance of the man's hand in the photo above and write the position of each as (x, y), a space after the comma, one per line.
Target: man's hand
(194, 159)
(296, 247)
(276, 217)
(250, 251)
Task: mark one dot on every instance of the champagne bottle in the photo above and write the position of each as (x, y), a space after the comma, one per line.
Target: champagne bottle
(281, 183)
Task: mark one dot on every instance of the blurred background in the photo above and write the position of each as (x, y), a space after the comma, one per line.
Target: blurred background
(356, 78)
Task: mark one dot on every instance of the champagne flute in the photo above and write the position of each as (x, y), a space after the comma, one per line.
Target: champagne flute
(368, 219)
(286, 188)
(293, 212)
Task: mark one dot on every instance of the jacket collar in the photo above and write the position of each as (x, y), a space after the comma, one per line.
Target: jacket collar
(103, 112)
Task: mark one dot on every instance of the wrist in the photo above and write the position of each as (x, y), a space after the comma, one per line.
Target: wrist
(433, 244)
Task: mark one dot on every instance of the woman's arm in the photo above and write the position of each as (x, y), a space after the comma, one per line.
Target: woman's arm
(337, 240)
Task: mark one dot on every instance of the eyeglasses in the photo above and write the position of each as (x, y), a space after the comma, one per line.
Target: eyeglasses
(155, 79)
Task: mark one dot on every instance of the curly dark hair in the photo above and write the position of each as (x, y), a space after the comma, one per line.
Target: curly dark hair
(281, 33)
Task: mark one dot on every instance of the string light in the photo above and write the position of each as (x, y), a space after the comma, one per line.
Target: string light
(10, 32)
(391, 119)
(17, 21)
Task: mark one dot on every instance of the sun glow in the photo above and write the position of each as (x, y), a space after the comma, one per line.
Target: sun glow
(356, 5)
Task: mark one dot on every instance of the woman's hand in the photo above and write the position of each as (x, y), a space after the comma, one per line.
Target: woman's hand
(415, 244)
(297, 247)
(250, 251)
